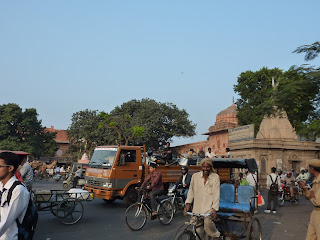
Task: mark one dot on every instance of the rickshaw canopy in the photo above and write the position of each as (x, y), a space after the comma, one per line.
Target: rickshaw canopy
(249, 163)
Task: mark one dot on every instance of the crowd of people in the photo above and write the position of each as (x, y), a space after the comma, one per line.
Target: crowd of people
(202, 189)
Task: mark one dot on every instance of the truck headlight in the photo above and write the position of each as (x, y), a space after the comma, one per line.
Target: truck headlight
(107, 185)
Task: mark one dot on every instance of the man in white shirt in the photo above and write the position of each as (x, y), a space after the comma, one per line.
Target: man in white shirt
(204, 192)
(274, 179)
(210, 154)
(252, 179)
(17, 207)
(77, 176)
(26, 174)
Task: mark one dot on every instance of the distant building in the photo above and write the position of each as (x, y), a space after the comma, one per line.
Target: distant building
(218, 138)
(62, 140)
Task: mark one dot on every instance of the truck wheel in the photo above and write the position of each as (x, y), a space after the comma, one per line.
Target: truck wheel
(130, 197)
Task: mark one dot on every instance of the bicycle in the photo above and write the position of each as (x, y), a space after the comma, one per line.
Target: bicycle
(138, 213)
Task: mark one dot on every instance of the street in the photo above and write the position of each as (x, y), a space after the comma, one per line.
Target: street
(106, 221)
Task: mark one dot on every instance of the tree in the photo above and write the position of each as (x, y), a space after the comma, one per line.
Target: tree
(147, 122)
(310, 128)
(84, 133)
(296, 93)
(312, 51)
(23, 131)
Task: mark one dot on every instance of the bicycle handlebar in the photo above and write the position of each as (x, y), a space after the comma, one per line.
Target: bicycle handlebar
(198, 214)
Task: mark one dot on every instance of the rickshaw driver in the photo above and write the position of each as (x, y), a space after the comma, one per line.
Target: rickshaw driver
(204, 192)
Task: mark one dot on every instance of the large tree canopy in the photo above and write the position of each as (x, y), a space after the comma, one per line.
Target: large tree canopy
(296, 92)
(84, 133)
(22, 131)
(147, 122)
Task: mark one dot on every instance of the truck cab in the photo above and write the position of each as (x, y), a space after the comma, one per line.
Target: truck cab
(114, 171)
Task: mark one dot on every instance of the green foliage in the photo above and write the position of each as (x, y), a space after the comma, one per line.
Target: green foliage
(85, 133)
(147, 122)
(312, 51)
(296, 92)
(255, 90)
(22, 131)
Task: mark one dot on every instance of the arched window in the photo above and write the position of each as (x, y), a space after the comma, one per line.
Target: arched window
(218, 144)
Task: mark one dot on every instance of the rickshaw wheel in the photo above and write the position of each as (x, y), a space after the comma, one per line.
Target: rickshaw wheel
(254, 230)
(66, 186)
(70, 211)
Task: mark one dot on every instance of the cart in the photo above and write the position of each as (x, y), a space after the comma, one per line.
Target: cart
(65, 205)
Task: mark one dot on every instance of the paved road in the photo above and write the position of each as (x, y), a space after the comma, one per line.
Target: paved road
(106, 221)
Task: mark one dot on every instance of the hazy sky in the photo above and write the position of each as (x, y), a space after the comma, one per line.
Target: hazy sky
(61, 57)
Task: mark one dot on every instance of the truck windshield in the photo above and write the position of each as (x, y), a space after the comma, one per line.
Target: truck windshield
(104, 156)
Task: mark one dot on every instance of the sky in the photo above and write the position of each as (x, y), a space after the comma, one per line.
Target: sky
(62, 57)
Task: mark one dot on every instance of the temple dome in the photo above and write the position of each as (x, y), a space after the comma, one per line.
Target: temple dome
(225, 119)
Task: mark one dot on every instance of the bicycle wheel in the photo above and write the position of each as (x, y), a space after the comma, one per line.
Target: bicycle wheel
(186, 235)
(136, 216)
(165, 212)
(254, 230)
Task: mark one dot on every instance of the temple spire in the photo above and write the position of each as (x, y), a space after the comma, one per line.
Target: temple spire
(233, 100)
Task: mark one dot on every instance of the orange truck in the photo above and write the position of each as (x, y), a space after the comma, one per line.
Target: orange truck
(115, 171)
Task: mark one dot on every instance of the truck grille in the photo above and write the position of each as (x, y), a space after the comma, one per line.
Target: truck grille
(94, 183)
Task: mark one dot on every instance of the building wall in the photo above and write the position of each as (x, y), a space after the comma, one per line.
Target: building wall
(284, 155)
(62, 140)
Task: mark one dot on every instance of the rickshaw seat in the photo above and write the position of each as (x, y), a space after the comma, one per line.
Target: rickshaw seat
(245, 199)
(227, 193)
(227, 196)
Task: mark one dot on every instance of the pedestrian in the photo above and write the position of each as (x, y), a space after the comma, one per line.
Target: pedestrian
(242, 180)
(26, 174)
(167, 154)
(252, 179)
(273, 186)
(77, 176)
(201, 153)
(228, 153)
(314, 196)
(210, 154)
(204, 192)
(9, 162)
(156, 186)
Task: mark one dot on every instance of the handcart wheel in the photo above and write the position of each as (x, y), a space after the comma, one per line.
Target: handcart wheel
(254, 230)
(53, 208)
(70, 211)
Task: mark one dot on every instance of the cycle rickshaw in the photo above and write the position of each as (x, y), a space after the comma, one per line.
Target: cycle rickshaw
(236, 208)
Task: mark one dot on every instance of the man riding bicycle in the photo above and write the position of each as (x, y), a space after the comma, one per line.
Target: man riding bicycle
(154, 183)
(204, 192)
